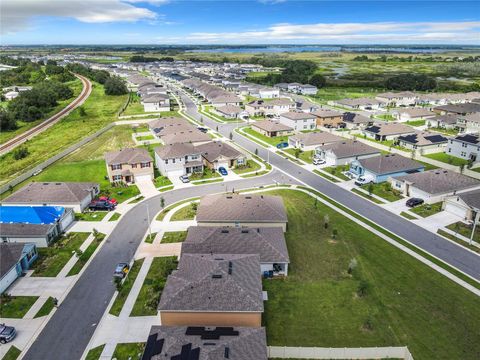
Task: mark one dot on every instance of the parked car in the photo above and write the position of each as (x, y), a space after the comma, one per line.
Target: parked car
(108, 199)
(7, 333)
(222, 171)
(414, 202)
(121, 270)
(282, 145)
(202, 129)
(362, 181)
(184, 179)
(317, 161)
(101, 205)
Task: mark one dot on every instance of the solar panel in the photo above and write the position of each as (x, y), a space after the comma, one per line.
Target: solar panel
(214, 334)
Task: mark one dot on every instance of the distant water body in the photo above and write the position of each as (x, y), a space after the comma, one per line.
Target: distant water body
(323, 48)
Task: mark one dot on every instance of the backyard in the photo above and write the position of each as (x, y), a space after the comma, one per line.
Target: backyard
(448, 159)
(270, 140)
(387, 298)
(134, 106)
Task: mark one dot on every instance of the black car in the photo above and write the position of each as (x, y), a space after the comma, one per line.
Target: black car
(101, 205)
(7, 333)
(414, 202)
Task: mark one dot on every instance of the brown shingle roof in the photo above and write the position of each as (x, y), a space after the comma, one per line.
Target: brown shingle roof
(213, 150)
(128, 156)
(269, 126)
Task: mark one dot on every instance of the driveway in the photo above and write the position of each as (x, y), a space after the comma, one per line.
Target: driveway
(146, 187)
(438, 220)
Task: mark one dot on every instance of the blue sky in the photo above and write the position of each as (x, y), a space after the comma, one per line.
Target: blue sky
(239, 22)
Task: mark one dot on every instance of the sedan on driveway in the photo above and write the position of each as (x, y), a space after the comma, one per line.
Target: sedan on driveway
(222, 171)
(414, 202)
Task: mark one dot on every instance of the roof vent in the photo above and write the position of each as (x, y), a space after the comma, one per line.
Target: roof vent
(216, 276)
(248, 197)
(225, 231)
(244, 231)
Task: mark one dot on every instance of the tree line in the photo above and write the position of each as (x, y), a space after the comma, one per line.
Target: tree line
(113, 85)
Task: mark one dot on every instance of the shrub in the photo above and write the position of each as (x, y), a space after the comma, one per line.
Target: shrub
(20, 153)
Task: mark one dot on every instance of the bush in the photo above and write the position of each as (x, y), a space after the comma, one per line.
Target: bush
(115, 86)
(20, 153)
(411, 82)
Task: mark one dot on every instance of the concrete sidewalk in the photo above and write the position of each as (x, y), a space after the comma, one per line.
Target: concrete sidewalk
(135, 290)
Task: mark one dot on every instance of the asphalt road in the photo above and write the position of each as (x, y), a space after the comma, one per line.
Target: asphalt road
(449, 252)
(68, 332)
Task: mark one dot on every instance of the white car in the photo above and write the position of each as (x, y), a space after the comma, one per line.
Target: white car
(317, 161)
(363, 180)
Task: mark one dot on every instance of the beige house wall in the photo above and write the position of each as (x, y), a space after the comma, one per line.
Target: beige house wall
(331, 121)
(136, 171)
(250, 319)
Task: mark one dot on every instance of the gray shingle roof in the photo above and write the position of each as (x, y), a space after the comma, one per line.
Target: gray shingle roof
(243, 343)
(213, 150)
(324, 113)
(471, 198)
(205, 283)
(390, 163)
(294, 115)
(52, 192)
(269, 243)
(176, 150)
(316, 138)
(349, 148)
(128, 156)
(21, 229)
(386, 129)
(241, 208)
(10, 254)
(269, 126)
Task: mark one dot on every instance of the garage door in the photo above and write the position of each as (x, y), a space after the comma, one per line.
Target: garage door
(143, 177)
(456, 209)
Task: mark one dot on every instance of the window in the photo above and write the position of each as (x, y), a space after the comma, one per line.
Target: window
(117, 177)
(173, 161)
(134, 166)
(166, 161)
(145, 165)
(449, 150)
(117, 167)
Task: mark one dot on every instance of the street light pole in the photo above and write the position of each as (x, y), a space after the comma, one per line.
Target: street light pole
(477, 216)
(149, 226)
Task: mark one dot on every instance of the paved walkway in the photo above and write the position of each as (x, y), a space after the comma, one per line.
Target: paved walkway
(135, 290)
(146, 250)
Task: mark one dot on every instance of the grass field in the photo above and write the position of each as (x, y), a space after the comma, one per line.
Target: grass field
(248, 167)
(149, 296)
(448, 159)
(383, 190)
(389, 299)
(15, 307)
(126, 287)
(128, 351)
(407, 215)
(100, 110)
(174, 237)
(94, 354)
(91, 216)
(134, 106)
(52, 259)
(303, 155)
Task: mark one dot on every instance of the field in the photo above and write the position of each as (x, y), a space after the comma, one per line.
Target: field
(388, 299)
(100, 109)
(134, 106)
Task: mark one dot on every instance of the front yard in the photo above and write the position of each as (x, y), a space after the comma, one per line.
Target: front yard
(274, 141)
(426, 210)
(356, 290)
(185, 213)
(52, 259)
(337, 171)
(383, 190)
(15, 307)
(128, 351)
(300, 154)
(206, 174)
(250, 166)
(465, 230)
(91, 216)
(174, 237)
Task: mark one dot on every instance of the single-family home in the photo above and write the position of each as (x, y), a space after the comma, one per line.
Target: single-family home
(404, 98)
(434, 185)
(15, 259)
(465, 205)
(457, 109)
(442, 121)
(344, 152)
(129, 165)
(356, 121)
(465, 146)
(242, 210)
(311, 140)
(469, 123)
(281, 86)
(273, 107)
(328, 118)
(298, 120)
(306, 106)
(378, 169)
(268, 93)
(206, 343)
(359, 104)
(272, 128)
(218, 154)
(307, 89)
(178, 159)
(230, 111)
(155, 103)
(225, 99)
(268, 243)
(76, 195)
(426, 142)
(387, 131)
(213, 290)
(34, 224)
(413, 114)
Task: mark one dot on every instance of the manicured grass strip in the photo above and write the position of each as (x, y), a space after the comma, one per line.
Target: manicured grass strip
(126, 287)
(274, 141)
(328, 177)
(160, 181)
(174, 237)
(46, 308)
(85, 256)
(457, 240)
(164, 212)
(91, 216)
(426, 210)
(337, 171)
(136, 200)
(149, 296)
(150, 237)
(392, 236)
(416, 123)
(452, 160)
(12, 354)
(465, 230)
(257, 173)
(207, 181)
(94, 354)
(115, 217)
(367, 196)
(145, 138)
(185, 213)
(52, 259)
(167, 188)
(128, 351)
(408, 216)
(206, 174)
(16, 307)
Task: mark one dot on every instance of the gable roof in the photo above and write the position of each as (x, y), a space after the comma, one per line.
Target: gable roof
(218, 283)
(324, 113)
(230, 109)
(241, 208)
(471, 198)
(270, 125)
(177, 150)
(355, 118)
(385, 129)
(295, 115)
(385, 164)
(52, 192)
(10, 255)
(128, 156)
(349, 148)
(268, 242)
(424, 138)
(214, 150)
(468, 138)
(316, 138)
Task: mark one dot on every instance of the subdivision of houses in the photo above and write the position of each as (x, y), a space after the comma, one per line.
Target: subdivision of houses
(311, 140)
(344, 152)
(298, 120)
(129, 165)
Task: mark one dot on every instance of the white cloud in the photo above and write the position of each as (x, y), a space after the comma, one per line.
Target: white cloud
(17, 15)
(467, 32)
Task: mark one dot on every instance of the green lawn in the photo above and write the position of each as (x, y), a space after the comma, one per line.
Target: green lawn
(115, 217)
(249, 166)
(384, 190)
(407, 215)
(458, 240)
(86, 255)
(303, 155)
(206, 174)
(91, 216)
(174, 237)
(452, 160)
(388, 299)
(126, 287)
(427, 165)
(134, 106)
(416, 122)
(13, 353)
(161, 215)
(149, 296)
(52, 259)
(94, 354)
(269, 140)
(100, 110)
(337, 171)
(160, 181)
(46, 308)
(16, 307)
(426, 210)
(186, 213)
(129, 351)
(209, 111)
(150, 238)
(335, 93)
(326, 176)
(385, 117)
(465, 230)
(367, 196)
(145, 137)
